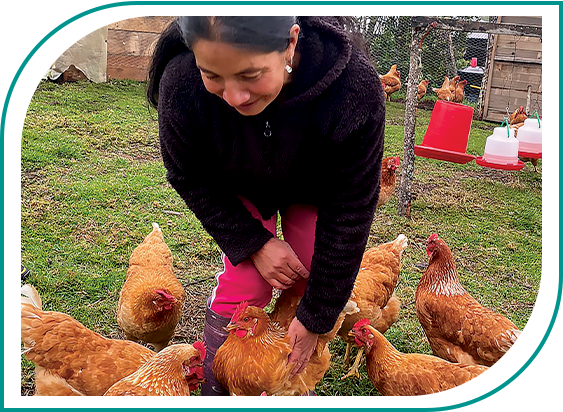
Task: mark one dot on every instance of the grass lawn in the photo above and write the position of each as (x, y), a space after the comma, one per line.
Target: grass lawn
(93, 182)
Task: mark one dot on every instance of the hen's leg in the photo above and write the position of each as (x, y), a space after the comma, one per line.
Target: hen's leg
(347, 355)
(355, 369)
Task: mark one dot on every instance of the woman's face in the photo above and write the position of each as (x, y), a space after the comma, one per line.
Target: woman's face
(248, 81)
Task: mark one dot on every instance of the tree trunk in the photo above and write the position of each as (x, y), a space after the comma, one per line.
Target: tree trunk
(450, 58)
(528, 99)
(410, 123)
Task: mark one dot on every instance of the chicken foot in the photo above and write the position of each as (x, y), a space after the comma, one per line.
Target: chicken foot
(355, 369)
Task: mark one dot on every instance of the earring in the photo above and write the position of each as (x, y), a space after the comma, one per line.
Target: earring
(288, 67)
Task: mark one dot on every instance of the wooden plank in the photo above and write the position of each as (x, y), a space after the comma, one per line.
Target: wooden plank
(149, 24)
(524, 48)
(499, 101)
(498, 94)
(519, 52)
(516, 83)
(520, 61)
(122, 42)
(498, 114)
(490, 74)
(495, 116)
(523, 20)
(518, 68)
(477, 26)
(524, 42)
(516, 76)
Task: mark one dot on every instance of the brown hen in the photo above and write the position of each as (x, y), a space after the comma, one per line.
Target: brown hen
(377, 278)
(175, 371)
(388, 179)
(459, 93)
(458, 328)
(518, 116)
(453, 84)
(443, 92)
(70, 359)
(421, 89)
(391, 81)
(254, 358)
(152, 298)
(398, 374)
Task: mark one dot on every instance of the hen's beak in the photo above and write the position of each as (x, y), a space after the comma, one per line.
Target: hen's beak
(230, 326)
(351, 333)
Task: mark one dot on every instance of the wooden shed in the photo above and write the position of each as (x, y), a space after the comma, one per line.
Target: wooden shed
(515, 72)
(130, 46)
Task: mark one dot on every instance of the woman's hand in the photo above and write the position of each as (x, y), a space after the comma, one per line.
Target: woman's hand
(303, 343)
(278, 264)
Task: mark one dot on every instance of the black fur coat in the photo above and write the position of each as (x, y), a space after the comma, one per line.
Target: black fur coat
(323, 146)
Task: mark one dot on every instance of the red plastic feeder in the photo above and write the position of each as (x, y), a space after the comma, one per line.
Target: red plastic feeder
(530, 155)
(448, 133)
(482, 162)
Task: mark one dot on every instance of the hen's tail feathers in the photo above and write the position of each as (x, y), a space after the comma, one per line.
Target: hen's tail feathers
(30, 296)
(517, 332)
(389, 314)
(513, 334)
(30, 311)
(402, 242)
(351, 307)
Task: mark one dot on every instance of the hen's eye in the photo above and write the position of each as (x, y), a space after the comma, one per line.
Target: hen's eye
(246, 319)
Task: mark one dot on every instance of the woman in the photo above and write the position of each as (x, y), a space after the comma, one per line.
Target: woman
(260, 115)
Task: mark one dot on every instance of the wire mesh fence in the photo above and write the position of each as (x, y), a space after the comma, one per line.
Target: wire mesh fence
(444, 53)
(515, 67)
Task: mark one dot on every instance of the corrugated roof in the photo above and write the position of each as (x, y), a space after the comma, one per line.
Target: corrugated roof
(477, 36)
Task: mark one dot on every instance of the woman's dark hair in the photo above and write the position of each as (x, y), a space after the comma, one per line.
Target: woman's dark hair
(257, 33)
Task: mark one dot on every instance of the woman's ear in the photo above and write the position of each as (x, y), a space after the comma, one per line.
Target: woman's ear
(293, 37)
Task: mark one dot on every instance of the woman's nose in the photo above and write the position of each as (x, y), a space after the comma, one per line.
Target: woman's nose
(235, 96)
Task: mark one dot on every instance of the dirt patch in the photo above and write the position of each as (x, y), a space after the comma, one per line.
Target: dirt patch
(426, 105)
(501, 176)
(33, 176)
(422, 189)
(190, 327)
(511, 307)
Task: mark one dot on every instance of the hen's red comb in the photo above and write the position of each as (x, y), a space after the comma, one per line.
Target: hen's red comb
(433, 237)
(165, 294)
(200, 348)
(397, 160)
(240, 308)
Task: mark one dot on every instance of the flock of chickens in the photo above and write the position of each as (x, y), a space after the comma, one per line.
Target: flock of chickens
(72, 360)
(450, 90)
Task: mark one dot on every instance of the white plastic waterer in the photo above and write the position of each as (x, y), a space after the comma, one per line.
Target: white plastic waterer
(502, 148)
(529, 136)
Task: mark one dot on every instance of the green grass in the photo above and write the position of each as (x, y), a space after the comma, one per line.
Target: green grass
(93, 181)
